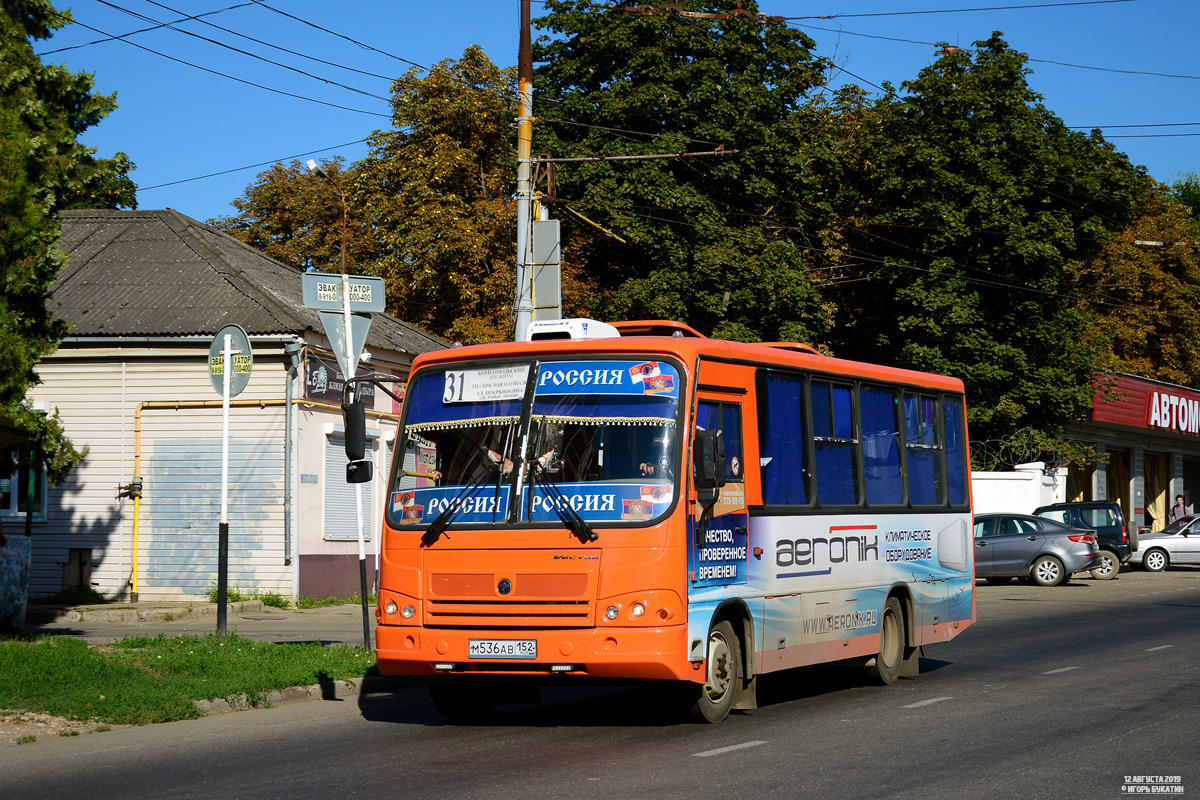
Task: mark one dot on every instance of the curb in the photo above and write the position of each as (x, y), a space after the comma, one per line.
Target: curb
(326, 690)
(42, 616)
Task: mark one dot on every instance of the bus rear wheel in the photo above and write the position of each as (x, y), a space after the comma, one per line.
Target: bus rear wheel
(723, 674)
(892, 641)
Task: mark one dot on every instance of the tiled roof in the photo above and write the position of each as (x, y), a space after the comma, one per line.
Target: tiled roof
(160, 273)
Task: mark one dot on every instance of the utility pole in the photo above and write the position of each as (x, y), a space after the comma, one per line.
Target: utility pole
(524, 300)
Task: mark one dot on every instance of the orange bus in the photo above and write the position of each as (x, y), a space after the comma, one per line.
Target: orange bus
(636, 501)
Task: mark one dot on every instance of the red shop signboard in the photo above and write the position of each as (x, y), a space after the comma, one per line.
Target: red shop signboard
(1124, 400)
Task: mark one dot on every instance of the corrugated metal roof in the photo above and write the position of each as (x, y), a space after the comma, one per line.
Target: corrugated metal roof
(160, 273)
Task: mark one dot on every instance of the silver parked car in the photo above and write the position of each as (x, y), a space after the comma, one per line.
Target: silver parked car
(1011, 546)
(1178, 543)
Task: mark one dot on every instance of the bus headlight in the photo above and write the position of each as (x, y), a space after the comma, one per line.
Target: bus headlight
(613, 612)
(391, 609)
(408, 612)
(638, 609)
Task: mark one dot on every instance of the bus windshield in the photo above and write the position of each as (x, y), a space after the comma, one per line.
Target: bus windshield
(516, 443)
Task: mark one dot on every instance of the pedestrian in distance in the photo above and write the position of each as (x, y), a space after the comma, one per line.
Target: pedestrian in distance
(1178, 511)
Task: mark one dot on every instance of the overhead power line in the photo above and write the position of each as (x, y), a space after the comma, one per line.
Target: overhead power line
(250, 166)
(225, 75)
(246, 53)
(143, 30)
(962, 10)
(282, 49)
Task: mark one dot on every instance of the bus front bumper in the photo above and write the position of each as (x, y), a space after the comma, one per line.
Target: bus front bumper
(633, 653)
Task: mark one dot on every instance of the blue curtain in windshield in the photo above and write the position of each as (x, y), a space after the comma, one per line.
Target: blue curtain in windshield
(783, 442)
(881, 448)
(956, 452)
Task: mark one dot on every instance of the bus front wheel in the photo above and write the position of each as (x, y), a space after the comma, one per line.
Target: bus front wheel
(886, 667)
(722, 676)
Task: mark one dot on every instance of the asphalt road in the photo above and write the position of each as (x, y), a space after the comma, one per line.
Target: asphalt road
(1054, 693)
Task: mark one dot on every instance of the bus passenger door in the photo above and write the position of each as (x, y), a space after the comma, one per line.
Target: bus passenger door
(718, 540)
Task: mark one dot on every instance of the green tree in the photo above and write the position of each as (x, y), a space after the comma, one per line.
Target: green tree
(43, 169)
(1149, 295)
(438, 189)
(1186, 190)
(430, 207)
(973, 212)
(296, 218)
(718, 241)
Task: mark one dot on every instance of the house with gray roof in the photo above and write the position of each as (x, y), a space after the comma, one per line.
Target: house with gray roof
(144, 294)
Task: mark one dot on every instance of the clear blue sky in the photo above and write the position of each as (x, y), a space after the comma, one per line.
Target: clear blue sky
(1108, 65)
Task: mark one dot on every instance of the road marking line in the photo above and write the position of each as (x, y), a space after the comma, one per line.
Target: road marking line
(1056, 671)
(730, 749)
(928, 702)
(1160, 647)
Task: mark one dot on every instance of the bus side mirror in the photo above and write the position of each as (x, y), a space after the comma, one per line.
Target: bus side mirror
(355, 416)
(708, 453)
(359, 471)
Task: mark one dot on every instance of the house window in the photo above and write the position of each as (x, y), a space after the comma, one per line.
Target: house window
(14, 484)
(341, 515)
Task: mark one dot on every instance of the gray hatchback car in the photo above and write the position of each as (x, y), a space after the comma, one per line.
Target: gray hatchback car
(1011, 546)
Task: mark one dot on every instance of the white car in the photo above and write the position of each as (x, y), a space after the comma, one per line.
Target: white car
(1178, 543)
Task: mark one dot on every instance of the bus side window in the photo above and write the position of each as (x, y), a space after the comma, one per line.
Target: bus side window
(926, 465)
(956, 450)
(782, 439)
(726, 417)
(836, 451)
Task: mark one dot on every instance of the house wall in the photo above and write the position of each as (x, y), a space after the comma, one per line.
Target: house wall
(326, 520)
(97, 394)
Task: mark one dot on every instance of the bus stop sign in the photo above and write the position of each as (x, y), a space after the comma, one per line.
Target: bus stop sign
(323, 290)
(243, 360)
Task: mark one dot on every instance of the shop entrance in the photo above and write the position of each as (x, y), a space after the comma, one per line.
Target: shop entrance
(1157, 485)
(1116, 484)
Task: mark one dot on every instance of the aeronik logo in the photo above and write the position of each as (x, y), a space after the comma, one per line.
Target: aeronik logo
(845, 543)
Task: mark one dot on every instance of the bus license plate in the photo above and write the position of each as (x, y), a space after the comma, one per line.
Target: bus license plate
(502, 648)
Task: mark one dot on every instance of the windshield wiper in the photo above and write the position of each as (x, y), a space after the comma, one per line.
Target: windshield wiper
(443, 520)
(561, 505)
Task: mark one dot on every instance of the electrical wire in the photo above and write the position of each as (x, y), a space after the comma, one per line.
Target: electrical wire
(143, 30)
(250, 166)
(282, 49)
(238, 50)
(230, 77)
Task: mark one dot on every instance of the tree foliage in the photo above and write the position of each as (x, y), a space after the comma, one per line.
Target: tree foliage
(1148, 297)
(437, 188)
(975, 211)
(43, 169)
(716, 241)
(296, 218)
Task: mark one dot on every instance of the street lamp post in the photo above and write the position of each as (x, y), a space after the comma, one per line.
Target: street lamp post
(315, 169)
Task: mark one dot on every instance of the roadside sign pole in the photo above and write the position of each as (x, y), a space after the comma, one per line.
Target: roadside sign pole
(362, 546)
(223, 526)
(346, 320)
(229, 377)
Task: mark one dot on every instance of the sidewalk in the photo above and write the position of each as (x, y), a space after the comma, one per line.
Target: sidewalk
(103, 623)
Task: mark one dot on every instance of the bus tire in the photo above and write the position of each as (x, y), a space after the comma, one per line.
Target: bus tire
(885, 667)
(723, 674)
(460, 703)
